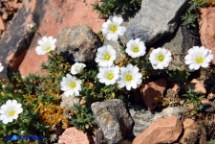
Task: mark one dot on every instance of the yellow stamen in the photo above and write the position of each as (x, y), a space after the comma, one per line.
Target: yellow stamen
(160, 57)
(135, 49)
(199, 60)
(128, 77)
(12, 113)
(110, 76)
(113, 28)
(72, 85)
(47, 48)
(107, 57)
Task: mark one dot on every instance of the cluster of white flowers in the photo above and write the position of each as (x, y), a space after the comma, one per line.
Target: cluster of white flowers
(109, 74)
(10, 111)
(128, 76)
(1, 67)
(70, 85)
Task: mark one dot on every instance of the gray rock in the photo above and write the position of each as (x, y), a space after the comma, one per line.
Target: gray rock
(77, 43)
(155, 19)
(181, 42)
(143, 118)
(113, 119)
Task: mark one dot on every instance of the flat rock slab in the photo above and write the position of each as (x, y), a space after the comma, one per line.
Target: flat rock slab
(50, 17)
(155, 19)
(143, 118)
(164, 130)
(207, 29)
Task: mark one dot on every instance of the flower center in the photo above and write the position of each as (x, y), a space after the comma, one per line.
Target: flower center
(199, 60)
(109, 76)
(47, 47)
(72, 85)
(12, 113)
(113, 28)
(160, 57)
(107, 57)
(135, 49)
(128, 77)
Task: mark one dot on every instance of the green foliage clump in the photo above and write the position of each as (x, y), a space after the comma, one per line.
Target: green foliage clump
(125, 7)
(193, 97)
(28, 122)
(82, 117)
(179, 76)
(33, 92)
(191, 16)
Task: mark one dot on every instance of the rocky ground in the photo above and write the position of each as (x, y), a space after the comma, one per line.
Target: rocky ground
(144, 120)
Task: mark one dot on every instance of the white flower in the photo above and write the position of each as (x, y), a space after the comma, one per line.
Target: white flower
(1, 67)
(10, 111)
(46, 44)
(112, 29)
(198, 57)
(70, 85)
(105, 56)
(160, 58)
(130, 77)
(108, 75)
(135, 48)
(77, 68)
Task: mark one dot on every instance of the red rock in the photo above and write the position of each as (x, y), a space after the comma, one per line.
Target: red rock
(191, 130)
(57, 15)
(197, 86)
(207, 28)
(34, 63)
(205, 101)
(2, 25)
(165, 130)
(5, 16)
(211, 96)
(175, 88)
(73, 136)
(151, 91)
